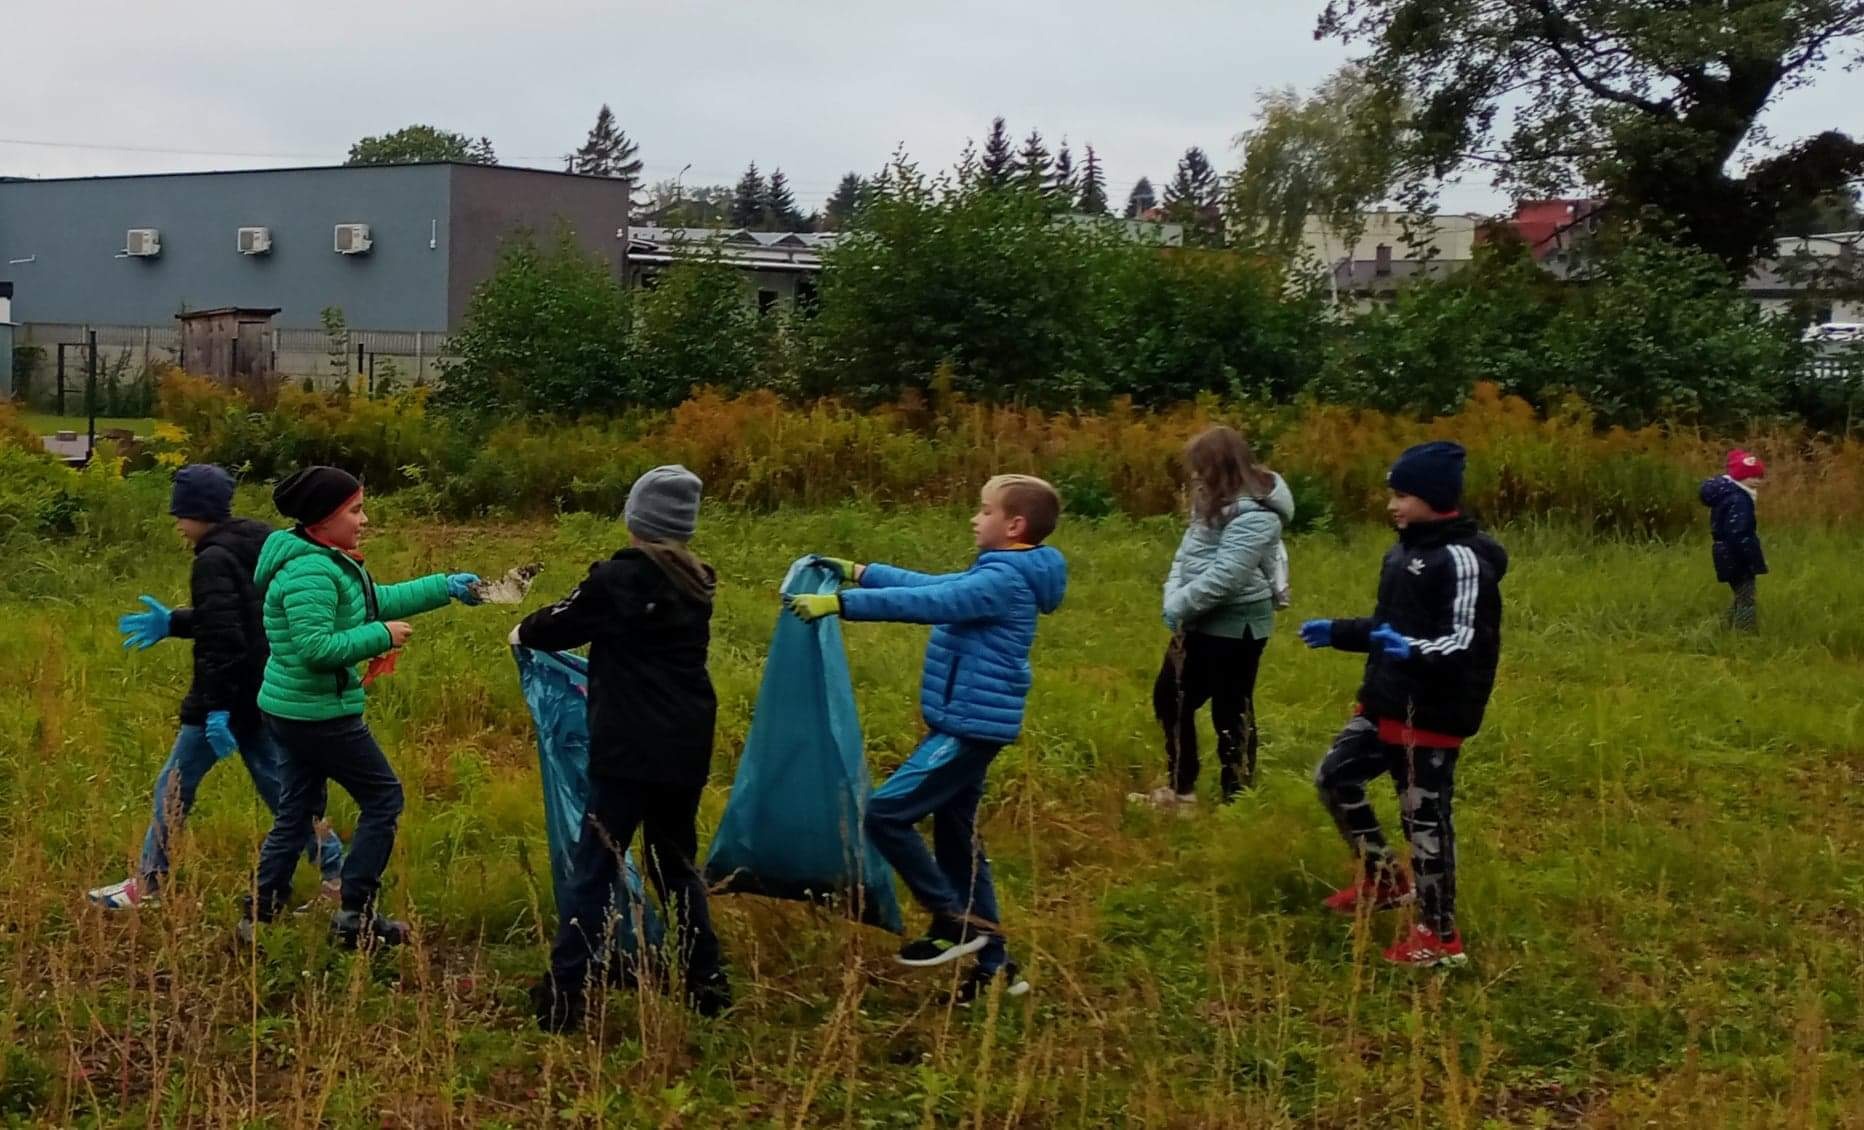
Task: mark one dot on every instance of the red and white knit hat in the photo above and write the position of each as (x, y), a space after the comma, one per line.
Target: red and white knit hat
(1741, 466)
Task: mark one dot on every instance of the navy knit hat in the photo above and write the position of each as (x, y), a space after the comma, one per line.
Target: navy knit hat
(310, 495)
(203, 492)
(1431, 471)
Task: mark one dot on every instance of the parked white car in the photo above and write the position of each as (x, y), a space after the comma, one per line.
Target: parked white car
(1835, 333)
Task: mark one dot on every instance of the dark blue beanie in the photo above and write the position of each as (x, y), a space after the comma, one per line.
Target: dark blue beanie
(202, 491)
(1433, 472)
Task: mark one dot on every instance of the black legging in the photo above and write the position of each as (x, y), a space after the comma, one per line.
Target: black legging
(1222, 672)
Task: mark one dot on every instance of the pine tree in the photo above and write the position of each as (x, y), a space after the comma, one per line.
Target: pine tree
(999, 163)
(1062, 184)
(841, 207)
(1141, 199)
(747, 200)
(1191, 198)
(780, 213)
(1093, 200)
(608, 152)
(1033, 164)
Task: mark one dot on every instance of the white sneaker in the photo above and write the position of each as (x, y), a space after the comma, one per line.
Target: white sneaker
(127, 895)
(1163, 798)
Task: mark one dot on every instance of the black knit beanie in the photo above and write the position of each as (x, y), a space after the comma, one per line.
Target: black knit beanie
(310, 495)
(1431, 471)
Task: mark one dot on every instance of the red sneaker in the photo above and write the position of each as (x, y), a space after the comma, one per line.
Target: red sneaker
(1389, 891)
(1421, 948)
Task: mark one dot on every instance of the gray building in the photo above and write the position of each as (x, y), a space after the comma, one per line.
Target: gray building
(396, 247)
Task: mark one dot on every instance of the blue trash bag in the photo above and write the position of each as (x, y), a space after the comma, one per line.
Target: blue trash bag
(556, 688)
(792, 828)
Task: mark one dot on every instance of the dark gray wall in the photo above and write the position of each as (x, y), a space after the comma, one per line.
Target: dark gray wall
(490, 203)
(73, 229)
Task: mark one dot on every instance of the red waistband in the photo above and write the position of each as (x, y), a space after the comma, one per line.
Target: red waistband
(1392, 731)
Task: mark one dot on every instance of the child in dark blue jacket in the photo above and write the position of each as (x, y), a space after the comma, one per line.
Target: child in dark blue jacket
(972, 693)
(1738, 557)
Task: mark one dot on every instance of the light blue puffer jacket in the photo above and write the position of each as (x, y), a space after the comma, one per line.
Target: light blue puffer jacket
(976, 678)
(1219, 584)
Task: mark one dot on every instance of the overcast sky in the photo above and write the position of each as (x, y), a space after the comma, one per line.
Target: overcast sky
(818, 87)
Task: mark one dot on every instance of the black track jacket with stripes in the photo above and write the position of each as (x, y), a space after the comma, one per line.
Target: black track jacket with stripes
(1440, 587)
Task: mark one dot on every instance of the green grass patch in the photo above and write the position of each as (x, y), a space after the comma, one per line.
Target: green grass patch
(1659, 833)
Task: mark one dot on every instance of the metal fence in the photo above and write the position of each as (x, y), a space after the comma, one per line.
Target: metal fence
(411, 355)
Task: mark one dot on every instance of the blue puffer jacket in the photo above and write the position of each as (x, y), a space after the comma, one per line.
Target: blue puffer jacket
(976, 677)
(1731, 523)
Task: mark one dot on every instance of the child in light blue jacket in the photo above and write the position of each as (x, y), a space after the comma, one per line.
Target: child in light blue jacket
(1228, 578)
(971, 693)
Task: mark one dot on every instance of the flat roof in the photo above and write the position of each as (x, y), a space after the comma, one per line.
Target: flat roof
(305, 169)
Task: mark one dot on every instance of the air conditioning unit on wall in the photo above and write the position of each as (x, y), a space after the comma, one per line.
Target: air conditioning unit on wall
(353, 239)
(143, 243)
(255, 241)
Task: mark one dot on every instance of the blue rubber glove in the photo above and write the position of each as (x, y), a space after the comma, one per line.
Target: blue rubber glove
(1317, 633)
(811, 607)
(143, 630)
(459, 587)
(1390, 641)
(220, 734)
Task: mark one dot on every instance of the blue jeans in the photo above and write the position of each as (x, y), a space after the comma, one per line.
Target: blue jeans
(188, 764)
(943, 779)
(313, 755)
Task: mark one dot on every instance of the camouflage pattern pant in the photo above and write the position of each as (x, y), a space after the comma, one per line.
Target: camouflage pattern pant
(1424, 778)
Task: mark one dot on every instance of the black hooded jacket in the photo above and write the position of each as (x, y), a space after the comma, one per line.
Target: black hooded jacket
(1440, 587)
(224, 621)
(646, 614)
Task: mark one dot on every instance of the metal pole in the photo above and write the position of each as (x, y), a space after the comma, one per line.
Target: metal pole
(419, 340)
(90, 392)
(61, 378)
(359, 358)
(371, 374)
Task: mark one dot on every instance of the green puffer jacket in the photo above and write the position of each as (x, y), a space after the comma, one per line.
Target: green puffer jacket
(323, 616)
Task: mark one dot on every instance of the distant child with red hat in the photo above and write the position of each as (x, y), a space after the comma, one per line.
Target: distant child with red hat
(1738, 558)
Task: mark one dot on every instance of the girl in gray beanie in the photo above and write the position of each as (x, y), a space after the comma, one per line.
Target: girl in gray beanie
(646, 615)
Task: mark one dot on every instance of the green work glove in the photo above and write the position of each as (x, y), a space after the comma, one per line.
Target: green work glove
(811, 607)
(848, 571)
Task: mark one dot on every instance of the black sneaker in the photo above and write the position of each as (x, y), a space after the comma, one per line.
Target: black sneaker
(709, 996)
(976, 984)
(946, 940)
(555, 1011)
(352, 931)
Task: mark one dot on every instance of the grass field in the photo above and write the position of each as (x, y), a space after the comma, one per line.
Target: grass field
(1660, 835)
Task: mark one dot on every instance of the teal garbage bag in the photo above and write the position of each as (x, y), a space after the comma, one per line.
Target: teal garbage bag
(792, 828)
(556, 688)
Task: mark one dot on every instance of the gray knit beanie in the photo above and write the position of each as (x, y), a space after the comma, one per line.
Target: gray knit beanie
(663, 504)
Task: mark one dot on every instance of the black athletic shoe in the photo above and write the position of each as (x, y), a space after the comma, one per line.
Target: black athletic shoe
(976, 984)
(555, 1011)
(946, 940)
(710, 996)
(352, 931)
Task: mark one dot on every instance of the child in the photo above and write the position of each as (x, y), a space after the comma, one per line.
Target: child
(1432, 644)
(646, 614)
(324, 614)
(1220, 606)
(1738, 558)
(221, 712)
(972, 695)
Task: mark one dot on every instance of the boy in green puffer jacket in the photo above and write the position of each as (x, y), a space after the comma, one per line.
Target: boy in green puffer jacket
(324, 615)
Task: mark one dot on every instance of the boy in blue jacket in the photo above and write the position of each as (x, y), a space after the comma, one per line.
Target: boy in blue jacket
(1738, 556)
(972, 694)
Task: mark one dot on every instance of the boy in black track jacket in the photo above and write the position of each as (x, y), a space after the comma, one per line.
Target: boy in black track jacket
(646, 614)
(1431, 646)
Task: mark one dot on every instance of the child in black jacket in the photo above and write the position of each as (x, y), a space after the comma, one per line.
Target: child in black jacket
(1737, 552)
(646, 614)
(1431, 646)
(220, 714)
